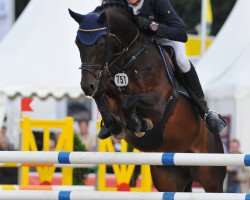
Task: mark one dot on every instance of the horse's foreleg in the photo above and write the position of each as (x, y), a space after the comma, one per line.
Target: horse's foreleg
(141, 108)
(151, 106)
(211, 178)
(129, 105)
(170, 179)
(110, 121)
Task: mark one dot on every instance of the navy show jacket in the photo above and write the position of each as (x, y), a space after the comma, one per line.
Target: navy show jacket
(171, 25)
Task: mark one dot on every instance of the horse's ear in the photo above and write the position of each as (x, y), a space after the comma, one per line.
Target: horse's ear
(77, 17)
(102, 18)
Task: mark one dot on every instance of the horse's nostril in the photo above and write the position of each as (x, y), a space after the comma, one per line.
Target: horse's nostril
(91, 87)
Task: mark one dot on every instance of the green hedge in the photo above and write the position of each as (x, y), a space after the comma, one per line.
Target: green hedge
(79, 174)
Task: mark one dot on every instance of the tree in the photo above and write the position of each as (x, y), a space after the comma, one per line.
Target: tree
(221, 10)
(190, 12)
(20, 5)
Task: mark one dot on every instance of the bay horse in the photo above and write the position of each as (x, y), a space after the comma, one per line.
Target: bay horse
(142, 107)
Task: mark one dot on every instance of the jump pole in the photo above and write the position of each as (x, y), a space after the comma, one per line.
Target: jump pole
(47, 187)
(46, 165)
(168, 159)
(77, 195)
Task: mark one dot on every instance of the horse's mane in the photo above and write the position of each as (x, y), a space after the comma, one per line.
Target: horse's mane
(123, 4)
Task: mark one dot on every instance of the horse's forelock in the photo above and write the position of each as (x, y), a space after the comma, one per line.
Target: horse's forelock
(118, 12)
(115, 2)
(123, 4)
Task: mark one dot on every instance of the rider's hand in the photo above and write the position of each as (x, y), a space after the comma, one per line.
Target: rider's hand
(143, 22)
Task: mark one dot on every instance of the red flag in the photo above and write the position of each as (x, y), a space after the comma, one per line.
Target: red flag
(25, 104)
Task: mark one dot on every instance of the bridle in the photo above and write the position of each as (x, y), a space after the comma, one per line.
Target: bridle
(107, 61)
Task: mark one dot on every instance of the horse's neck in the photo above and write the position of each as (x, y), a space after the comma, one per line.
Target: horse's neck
(121, 24)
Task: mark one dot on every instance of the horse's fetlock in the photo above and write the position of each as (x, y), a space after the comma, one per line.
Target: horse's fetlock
(147, 124)
(115, 128)
(109, 120)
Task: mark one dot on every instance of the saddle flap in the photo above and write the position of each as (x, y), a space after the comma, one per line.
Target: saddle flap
(172, 70)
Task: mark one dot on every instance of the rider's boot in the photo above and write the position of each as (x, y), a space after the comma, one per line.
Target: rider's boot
(213, 120)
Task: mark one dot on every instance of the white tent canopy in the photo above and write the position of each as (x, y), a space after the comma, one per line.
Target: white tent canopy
(229, 51)
(225, 72)
(38, 57)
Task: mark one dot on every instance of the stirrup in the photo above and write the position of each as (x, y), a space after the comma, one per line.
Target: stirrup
(214, 122)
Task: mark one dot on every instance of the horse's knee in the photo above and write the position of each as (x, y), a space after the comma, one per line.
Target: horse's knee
(129, 102)
(107, 116)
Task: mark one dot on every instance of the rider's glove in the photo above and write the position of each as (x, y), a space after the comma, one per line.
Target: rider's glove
(143, 22)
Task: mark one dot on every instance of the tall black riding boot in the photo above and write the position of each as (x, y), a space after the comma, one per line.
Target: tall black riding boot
(213, 120)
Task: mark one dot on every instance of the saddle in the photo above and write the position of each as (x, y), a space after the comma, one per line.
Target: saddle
(174, 75)
(172, 69)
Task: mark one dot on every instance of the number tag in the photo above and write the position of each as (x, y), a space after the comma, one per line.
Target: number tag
(121, 79)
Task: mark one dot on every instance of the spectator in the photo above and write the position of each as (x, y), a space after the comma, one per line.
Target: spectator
(52, 144)
(7, 175)
(4, 141)
(116, 144)
(238, 177)
(88, 139)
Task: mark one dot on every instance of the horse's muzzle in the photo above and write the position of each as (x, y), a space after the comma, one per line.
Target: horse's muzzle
(89, 89)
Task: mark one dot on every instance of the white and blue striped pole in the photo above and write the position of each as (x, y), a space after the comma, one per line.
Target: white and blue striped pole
(76, 195)
(168, 159)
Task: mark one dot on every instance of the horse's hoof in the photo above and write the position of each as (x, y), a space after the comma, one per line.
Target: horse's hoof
(149, 123)
(104, 133)
(140, 134)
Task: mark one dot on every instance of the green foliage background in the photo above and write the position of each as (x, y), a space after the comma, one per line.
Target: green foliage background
(79, 174)
(189, 10)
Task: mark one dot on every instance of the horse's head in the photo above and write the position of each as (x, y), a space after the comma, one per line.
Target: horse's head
(101, 37)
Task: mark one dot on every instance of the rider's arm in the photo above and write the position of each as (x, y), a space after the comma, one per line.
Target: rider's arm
(173, 27)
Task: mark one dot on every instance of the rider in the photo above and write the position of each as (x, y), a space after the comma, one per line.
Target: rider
(160, 19)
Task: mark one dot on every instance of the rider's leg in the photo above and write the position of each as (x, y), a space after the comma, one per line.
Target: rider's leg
(213, 120)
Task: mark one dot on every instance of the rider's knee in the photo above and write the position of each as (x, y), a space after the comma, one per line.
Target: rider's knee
(183, 64)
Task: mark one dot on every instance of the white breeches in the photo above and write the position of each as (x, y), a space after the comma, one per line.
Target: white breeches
(180, 53)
